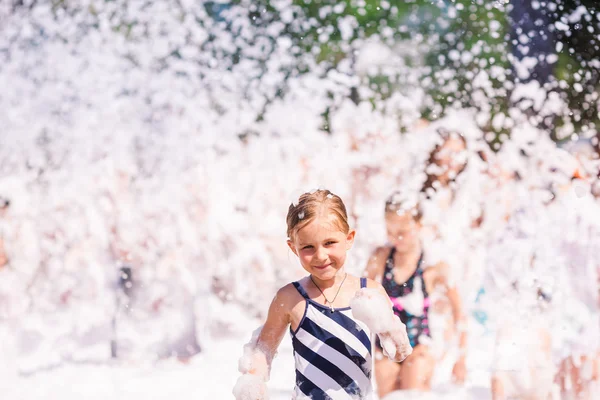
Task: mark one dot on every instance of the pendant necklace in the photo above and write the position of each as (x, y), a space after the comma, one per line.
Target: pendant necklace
(336, 295)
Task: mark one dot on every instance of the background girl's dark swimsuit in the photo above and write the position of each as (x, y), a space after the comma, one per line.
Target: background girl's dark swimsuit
(416, 325)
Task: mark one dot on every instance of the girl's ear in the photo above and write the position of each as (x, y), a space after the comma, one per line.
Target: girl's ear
(350, 239)
(292, 247)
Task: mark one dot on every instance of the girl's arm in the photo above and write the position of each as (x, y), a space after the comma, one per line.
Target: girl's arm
(276, 324)
(373, 306)
(255, 364)
(460, 320)
(433, 277)
(497, 387)
(3, 256)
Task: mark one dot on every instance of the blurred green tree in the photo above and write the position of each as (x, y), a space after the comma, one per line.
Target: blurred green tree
(460, 53)
(463, 53)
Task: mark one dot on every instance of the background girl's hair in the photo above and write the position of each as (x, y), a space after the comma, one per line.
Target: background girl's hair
(400, 203)
(313, 204)
(445, 135)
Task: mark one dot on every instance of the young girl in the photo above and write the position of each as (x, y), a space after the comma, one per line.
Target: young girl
(453, 213)
(399, 266)
(522, 366)
(332, 349)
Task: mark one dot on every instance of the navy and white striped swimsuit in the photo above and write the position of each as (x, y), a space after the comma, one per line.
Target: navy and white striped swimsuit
(332, 352)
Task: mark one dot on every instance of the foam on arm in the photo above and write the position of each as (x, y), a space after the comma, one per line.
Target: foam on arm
(374, 308)
(255, 363)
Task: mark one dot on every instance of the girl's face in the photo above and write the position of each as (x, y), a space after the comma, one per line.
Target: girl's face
(402, 231)
(451, 157)
(321, 247)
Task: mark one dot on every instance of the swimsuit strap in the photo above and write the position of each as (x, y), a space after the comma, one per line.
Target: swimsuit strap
(300, 289)
(389, 263)
(420, 264)
(421, 271)
(363, 283)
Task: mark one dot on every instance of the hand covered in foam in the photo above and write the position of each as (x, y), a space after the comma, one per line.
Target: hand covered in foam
(253, 365)
(254, 361)
(250, 387)
(374, 309)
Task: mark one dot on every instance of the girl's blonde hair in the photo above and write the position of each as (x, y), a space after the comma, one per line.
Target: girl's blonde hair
(313, 204)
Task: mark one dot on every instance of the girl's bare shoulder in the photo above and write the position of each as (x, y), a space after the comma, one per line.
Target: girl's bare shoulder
(376, 263)
(288, 295)
(379, 256)
(381, 252)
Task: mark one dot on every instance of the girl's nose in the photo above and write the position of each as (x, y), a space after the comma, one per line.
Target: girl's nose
(321, 254)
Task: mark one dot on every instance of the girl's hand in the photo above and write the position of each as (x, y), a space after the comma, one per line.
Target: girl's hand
(396, 345)
(255, 364)
(250, 387)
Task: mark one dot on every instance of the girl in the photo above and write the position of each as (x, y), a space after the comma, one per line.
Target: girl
(450, 203)
(332, 349)
(456, 217)
(408, 283)
(522, 366)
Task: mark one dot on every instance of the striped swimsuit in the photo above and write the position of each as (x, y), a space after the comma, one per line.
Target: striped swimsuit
(332, 353)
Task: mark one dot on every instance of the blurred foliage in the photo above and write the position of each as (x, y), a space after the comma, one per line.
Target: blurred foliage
(465, 48)
(577, 72)
(462, 53)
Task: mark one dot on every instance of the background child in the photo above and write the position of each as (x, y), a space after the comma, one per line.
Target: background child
(400, 268)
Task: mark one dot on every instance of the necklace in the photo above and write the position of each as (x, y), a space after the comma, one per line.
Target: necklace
(336, 295)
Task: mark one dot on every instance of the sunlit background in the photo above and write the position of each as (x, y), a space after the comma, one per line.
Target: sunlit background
(149, 150)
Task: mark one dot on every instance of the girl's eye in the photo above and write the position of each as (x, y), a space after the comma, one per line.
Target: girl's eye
(307, 247)
(329, 243)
